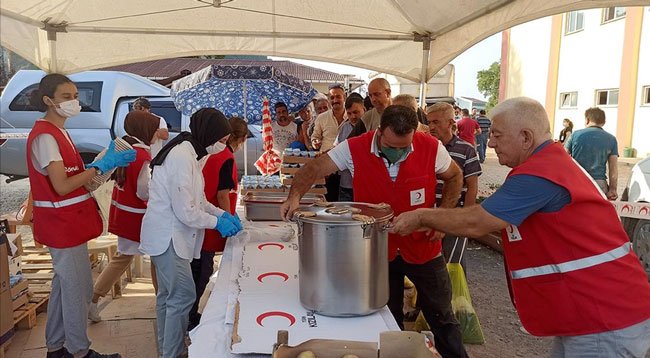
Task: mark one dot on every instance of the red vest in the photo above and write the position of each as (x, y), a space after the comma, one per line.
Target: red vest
(61, 221)
(127, 210)
(415, 187)
(213, 242)
(559, 284)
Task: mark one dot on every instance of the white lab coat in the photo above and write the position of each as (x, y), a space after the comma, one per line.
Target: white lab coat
(177, 209)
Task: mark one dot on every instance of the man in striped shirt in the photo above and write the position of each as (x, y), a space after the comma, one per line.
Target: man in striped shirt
(441, 118)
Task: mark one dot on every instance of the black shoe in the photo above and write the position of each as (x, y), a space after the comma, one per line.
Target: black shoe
(92, 354)
(61, 353)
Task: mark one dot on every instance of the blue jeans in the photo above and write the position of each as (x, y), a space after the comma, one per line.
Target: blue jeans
(481, 142)
(176, 295)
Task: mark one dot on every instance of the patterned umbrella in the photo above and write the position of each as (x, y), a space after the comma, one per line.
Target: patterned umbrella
(239, 90)
(269, 162)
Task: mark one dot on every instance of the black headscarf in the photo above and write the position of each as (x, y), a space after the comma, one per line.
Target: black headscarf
(208, 126)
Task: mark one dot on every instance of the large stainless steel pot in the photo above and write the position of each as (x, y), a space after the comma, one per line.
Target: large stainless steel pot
(343, 252)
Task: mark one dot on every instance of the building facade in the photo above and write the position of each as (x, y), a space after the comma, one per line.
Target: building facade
(587, 58)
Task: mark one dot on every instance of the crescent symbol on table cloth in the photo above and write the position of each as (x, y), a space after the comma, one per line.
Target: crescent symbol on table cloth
(264, 315)
(418, 196)
(626, 209)
(643, 211)
(261, 246)
(509, 229)
(261, 277)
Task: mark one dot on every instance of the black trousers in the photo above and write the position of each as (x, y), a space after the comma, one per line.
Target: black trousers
(431, 279)
(202, 269)
(458, 256)
(332, 184)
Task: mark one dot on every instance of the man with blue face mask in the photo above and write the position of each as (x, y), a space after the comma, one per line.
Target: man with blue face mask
(395, 164)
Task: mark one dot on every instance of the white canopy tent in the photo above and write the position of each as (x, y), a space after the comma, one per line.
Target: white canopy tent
(412, 39)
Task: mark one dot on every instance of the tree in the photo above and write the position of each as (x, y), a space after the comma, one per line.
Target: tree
(488, 84)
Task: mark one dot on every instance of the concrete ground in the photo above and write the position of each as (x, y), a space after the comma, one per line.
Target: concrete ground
(128, 325)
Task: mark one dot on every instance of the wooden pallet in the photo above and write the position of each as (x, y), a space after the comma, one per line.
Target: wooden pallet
(37, 269)
(25, 316)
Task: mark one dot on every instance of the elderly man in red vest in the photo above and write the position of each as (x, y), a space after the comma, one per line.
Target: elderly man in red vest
(570, 268)
(397, 165)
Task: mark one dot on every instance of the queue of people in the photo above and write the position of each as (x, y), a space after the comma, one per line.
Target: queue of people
(565, 272)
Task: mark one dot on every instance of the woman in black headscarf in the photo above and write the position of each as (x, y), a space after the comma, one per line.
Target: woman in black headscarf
(174, 223)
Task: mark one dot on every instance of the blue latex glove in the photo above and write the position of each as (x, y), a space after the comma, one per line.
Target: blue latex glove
(236, 220)
(113, 159)
(225, 227)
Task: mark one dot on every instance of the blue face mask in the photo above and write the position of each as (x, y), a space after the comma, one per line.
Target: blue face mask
(393, 155)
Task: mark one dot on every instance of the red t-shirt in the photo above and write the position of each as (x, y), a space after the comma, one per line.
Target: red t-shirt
(466, 129)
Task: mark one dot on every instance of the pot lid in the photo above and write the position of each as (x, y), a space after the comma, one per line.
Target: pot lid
(344, 213)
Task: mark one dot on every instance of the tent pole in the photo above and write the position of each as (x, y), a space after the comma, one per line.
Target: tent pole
(51, 30)
(246, 140)
(426, 49)
(51, 40)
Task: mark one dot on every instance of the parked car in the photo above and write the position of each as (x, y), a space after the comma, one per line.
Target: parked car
(106, 97)
(638, 230)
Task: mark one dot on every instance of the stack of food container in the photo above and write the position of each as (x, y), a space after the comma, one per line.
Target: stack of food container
(292, 161)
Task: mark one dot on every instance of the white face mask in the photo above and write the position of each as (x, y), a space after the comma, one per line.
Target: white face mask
(215, 148)
(68, 109)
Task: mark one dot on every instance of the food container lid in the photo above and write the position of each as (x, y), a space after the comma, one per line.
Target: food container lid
(344, 213)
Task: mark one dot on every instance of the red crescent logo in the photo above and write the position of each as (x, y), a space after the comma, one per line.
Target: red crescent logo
(261, 246)
(419, 196)
(626, 208)
(644, 210)
(510, 229)
(261, 277)
(264, 315)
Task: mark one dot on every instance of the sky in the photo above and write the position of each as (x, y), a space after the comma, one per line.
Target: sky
(476, 58)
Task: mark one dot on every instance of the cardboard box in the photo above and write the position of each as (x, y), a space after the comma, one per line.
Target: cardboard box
(15, 265)
(6, 313)
(4, 264)
(21, 286)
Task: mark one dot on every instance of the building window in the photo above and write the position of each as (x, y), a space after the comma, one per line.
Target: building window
(574, 22)
(569, 100)
(608, 97)
(613, 13)
(645, 92)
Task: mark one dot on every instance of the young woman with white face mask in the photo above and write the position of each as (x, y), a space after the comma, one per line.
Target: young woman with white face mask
(173, 226)
(57, 176)
(220, 175)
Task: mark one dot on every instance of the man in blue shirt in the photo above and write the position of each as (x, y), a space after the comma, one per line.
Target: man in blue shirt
(594, 149)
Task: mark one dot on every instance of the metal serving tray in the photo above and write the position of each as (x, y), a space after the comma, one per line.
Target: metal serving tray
(266, 206)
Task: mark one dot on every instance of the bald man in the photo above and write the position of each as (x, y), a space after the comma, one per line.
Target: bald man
(570, 268)
(379, 92)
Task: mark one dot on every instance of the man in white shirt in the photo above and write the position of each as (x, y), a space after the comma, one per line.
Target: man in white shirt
(327, 124)
(285, 130)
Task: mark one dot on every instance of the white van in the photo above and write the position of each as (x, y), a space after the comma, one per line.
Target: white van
(106, 97)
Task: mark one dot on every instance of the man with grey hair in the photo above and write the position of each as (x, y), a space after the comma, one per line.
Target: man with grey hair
(570, 268)
(379, 92)
(441, 119)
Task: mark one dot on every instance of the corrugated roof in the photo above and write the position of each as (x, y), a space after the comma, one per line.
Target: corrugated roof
(171, 67)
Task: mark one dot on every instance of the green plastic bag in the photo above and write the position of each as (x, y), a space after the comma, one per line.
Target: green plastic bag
(461, 303)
